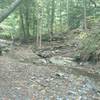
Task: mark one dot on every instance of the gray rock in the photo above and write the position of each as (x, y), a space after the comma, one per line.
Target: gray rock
(58, 60)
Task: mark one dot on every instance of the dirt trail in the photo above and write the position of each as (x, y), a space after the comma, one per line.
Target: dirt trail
(20, 79)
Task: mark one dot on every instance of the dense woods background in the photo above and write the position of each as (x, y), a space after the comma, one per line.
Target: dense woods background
(38, 20)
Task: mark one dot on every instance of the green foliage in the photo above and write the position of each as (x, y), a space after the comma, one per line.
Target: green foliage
(42, 17)
(10, 27)
(90, 47)
(75, 16)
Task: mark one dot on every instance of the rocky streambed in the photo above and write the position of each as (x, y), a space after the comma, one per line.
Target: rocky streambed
(26, 76)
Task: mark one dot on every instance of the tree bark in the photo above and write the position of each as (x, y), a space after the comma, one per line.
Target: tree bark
(6, 12)
(52, 19)
(67, 14)
(85, 13)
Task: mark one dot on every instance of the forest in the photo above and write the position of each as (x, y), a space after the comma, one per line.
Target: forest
(49, 49)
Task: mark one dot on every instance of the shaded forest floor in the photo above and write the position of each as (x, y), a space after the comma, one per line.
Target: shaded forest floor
(26, 76)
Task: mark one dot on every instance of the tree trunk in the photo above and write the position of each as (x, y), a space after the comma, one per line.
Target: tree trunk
(85, 23)
(22, 26)
(68, 14)
(5, 13)
(27, 21)
(52, 19)
(61, 16)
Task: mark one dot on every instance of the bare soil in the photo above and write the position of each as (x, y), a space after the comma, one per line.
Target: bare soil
(22, 79)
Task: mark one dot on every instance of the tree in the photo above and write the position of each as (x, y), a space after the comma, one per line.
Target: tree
(68, 13)
(60, 15)
(5, 13)
(52, 18)
(85, 23)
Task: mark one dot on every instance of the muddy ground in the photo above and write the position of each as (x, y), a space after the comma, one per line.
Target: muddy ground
(26, 76)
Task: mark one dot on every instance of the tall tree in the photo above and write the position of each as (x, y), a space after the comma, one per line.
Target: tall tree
(68, 14)
(52, 17)
(85, 22)
(61, 15)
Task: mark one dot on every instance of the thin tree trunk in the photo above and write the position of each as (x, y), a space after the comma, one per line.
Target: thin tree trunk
(27, 23)
(52, 18)
(41, 28)
(60, 16)
(22, 22)
(48, 15)
(84, 5)
(38, 27)
(68, 14)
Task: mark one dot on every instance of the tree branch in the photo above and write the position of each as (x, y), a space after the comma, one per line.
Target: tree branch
(6, 12)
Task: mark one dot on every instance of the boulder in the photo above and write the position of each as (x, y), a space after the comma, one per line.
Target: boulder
(59, 60)
(4, 44)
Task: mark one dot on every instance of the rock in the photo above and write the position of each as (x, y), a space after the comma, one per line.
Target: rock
(45, 54)
(58, 60)
(60, 75)
(72, 93)
(39, 61)
(4, 46)
(42, 61)
(22, 60)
